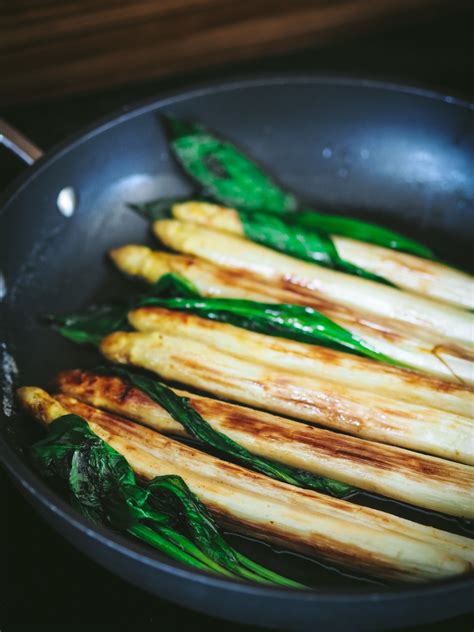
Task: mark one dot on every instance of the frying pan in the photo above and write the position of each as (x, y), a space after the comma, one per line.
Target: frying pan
(401, 156)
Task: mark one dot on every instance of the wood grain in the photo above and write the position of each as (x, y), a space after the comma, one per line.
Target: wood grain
(51, 47)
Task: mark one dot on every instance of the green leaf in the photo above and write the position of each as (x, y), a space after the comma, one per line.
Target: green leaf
(362, 231)
(271, 231)
(98, 479)
(224, 172)
(174, 291)
(171, 285)
(156, 209)
(93, 324)
(351, 268)
(181, 411)
(233, 179)
(313, 245)
(177, 547)
(295, 322)
(97, 321)
(172, 495)
(101, 485)
(177, 128)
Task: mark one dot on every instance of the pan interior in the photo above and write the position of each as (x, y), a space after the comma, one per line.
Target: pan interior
(399, 158)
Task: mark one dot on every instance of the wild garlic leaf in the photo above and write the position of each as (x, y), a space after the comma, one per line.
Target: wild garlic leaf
(181, 411)
(231, 178)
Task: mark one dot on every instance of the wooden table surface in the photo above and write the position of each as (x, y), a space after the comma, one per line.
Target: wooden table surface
(50, 48)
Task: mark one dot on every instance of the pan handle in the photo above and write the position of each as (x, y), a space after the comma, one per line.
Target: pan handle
(18, 143)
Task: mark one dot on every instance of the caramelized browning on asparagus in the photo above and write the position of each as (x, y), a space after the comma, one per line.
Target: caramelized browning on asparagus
(305, 521)
(406, 271)
(240, 254)
(427, 352)
(309, 360)
(407, 476)
(309, 399)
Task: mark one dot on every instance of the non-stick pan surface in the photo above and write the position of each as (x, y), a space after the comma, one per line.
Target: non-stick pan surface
(400, 156)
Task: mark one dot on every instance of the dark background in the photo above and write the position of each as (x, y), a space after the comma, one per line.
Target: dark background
(47, 582)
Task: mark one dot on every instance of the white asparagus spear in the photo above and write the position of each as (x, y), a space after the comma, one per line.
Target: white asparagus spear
(310, 360)
(366, 415)
(408, 272)
(425, 277)
(394, 340)
(237, 253)
(418, 479)
(336, 530)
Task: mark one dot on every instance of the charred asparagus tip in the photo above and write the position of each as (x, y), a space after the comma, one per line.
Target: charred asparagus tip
(130, 254)
(39, 404)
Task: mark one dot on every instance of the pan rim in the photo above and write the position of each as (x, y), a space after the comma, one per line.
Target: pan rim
(142, 106)
(22, 473)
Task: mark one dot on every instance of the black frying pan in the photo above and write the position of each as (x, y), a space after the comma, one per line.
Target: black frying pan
(400, 156)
